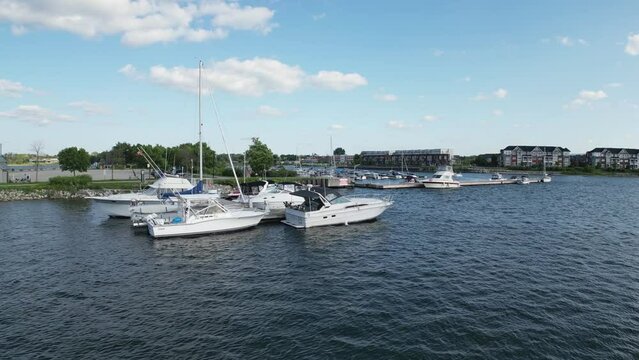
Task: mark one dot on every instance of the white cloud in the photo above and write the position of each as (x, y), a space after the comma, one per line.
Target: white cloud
(586, 98)
(319, 16)
(269, 111)
(497, 94)
(36, 115)
(430, 118)
(89, 108)
(500, 93)
(568, 42)
(337, 81)
(614, 85)
(336, 127)
(252, 77)
(632, 46)
(140, 22)
(13, 89)
(248, 77)
(130, 71)
(386, 97)
(498, 112)
(438, 52)
(396, 124)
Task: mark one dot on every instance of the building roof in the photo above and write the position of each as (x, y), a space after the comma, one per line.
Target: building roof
(532, 147)
(614, 150)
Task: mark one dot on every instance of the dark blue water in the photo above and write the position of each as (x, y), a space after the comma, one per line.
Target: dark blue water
(537, 271)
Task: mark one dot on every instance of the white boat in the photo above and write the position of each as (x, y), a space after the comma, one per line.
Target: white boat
(118, 205)
(318, 210)
(272, 197)
(523, 180)
(214, 218)
(496, 177)
(546, 178)
(442, 179)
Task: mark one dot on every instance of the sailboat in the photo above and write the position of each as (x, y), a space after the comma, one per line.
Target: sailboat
(546, 178)
(212, 218)
(139, 207)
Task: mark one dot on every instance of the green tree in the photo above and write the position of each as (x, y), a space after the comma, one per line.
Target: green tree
(259, 156)
(339, 151)
(357, 159)
(74, 159)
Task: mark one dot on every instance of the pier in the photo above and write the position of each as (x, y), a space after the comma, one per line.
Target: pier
(421, 186)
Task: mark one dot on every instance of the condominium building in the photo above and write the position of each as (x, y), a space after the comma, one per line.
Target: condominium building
(613, 158)
(528, 156)
(407, 158)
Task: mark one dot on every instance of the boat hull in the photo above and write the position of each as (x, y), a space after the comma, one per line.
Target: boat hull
(342, 216)
(441, 184)
(207, 225)
(113, 207)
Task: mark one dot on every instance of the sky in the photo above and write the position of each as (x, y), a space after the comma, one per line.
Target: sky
(473, 76)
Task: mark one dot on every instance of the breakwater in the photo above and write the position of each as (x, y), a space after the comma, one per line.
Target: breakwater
(39, 194)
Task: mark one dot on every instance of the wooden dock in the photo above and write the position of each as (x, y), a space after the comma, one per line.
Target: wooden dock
(421, 186)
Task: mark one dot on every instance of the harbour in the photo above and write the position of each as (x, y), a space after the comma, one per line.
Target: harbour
(510, 271)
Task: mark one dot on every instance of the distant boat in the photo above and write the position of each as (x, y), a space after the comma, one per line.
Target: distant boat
(546, 178)
(523, 180)
(496, 177)
(442, 179)
(325, 207)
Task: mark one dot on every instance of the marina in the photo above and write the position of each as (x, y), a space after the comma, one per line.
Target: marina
(493, 278)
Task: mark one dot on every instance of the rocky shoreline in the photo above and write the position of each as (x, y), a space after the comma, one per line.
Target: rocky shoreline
(41, 194)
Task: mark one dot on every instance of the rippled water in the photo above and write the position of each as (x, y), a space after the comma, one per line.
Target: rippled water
(537, 271)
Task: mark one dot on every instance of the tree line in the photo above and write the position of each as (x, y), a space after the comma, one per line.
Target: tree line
(173, 159)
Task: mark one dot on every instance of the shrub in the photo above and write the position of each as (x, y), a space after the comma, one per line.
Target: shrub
(76, 182)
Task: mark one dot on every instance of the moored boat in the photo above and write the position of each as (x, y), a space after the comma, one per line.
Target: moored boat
(214, 218)
(323, 208)
(442, 179)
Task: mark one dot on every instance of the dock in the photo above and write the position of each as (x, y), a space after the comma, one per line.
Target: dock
(421, 186)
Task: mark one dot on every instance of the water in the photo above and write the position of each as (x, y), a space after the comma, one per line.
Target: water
(537, 271)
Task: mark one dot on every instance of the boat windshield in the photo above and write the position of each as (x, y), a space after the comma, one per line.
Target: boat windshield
(340, 200)
(150, 191)
(436, 176)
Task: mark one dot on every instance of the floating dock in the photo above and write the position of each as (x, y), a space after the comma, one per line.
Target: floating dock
(421, 186)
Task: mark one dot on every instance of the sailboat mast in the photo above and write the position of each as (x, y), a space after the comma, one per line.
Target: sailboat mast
(199, 113)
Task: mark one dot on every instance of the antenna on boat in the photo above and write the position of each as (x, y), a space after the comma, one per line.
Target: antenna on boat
(148, 158)
(219, 124)
(199, 112)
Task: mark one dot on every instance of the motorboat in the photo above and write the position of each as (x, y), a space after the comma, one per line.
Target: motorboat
(213, 218)
(168, 203)
(523, 180)
(496, 177)
(442, 179)
(322, 207)
(118, 205)
(272, 197)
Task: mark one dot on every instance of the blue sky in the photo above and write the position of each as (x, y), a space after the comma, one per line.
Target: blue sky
(474, 76)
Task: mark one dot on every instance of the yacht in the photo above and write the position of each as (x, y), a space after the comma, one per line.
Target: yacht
(213, 218)
(496, 177)
(523, 180)
(325, 207)
(442, 179)
(272, 197)
(118, 205)
(546, 178)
